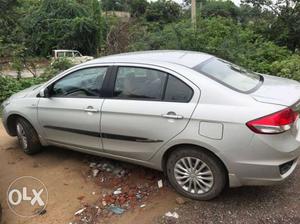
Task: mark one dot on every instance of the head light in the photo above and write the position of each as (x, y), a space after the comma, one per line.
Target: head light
(5, 103)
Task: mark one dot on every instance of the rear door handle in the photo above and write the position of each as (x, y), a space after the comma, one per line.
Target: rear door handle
(172, 115)
(91, 109)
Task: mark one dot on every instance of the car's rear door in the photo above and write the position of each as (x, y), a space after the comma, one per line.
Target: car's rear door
(148, 107)
(70, 116)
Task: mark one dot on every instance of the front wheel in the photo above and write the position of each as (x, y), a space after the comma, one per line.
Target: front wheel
(27, 137)
(195, 173)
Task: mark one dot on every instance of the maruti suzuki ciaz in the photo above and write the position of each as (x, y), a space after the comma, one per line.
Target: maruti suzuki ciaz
(205, 122)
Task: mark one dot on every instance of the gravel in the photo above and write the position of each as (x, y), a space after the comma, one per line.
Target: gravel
(269, 204)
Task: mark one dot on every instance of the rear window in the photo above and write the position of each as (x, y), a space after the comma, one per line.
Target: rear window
(230, 75)
(177, 91)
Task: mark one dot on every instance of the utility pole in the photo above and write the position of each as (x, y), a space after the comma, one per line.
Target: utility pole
(193, 8)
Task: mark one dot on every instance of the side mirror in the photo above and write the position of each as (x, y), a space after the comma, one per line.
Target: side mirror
(44, 93)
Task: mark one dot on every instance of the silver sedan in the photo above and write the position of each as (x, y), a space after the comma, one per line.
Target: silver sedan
(205, 122)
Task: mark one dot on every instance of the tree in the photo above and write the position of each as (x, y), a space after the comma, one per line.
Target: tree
(138, 7)
(220, 8)
(286, 23)
(62, 24)
(96, 15)
(114, 5)
(8, 18)
(163, 11)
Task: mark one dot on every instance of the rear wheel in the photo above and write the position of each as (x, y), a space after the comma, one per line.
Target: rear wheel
(27, 137)
(195, 173)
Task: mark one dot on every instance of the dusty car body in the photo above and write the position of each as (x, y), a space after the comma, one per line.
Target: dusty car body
(73, 56)
(204, 121)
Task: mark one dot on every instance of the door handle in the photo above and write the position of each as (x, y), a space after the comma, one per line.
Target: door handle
(172, 115)
(91, 109)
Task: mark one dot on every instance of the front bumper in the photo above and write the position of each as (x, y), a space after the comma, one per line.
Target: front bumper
(4, 120)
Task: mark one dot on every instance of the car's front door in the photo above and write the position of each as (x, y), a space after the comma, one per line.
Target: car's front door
(70, 116)
(148, 107)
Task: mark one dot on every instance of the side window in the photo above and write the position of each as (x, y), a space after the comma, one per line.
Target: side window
(76, 54)
(69, 54)
(82, 83)
(60, 54)
(177, 91)
(139, 83)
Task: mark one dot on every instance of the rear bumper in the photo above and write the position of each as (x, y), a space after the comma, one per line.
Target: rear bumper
(269, 159)
(263, 174)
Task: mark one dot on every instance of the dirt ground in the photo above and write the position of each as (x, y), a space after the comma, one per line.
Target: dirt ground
(65, 174)
(71, 186)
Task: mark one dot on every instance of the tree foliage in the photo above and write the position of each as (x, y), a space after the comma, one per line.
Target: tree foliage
(220, 8)
(114, 5)
(262, 35)
(163, 11)
(219, 36)
(138, 7)
(286, 21)
(63, 24)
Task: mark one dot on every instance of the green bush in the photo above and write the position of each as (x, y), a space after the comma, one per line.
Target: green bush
(163, 11)
(63, 24)
(220, 36)
(56, 67)
(288, 68)
(10, 85)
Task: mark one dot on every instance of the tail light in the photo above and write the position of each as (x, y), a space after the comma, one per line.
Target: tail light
(276, 123)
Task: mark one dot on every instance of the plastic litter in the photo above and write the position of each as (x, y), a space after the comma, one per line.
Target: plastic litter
(95, 172)
(116, 210)
(172, 215)
(80, 211)
(160, 183)
(92, 165)
(118, 191)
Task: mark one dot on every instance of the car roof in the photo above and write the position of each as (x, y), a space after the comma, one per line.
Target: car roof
(65, 50)
(186, 58)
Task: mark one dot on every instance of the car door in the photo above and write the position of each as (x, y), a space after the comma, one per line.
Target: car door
(70, 116)
(148, 107)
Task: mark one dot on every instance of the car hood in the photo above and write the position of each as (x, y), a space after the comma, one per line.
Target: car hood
(26, 92)
(276, 90)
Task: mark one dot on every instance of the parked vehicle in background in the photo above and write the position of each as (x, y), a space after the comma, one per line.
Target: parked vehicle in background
(73, 56)
(202, 120)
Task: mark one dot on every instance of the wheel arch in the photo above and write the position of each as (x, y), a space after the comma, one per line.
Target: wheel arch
(11, 123)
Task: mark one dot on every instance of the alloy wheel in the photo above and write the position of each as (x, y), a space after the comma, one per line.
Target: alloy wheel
(22, 136)
(193, 175)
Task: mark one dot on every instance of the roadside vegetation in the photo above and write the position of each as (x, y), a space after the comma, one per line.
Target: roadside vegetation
(261, 35)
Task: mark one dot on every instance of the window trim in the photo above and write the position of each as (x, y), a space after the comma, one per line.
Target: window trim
(199, 67)
(162, 99)
(99, 96)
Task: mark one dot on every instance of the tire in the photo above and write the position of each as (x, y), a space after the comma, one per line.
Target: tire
(27, 136)
(209, 169)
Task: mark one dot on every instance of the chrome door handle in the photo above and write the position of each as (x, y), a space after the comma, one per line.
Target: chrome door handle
(172, 115)
(91, 109)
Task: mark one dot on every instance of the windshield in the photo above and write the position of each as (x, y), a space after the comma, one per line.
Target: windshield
(230, 74)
